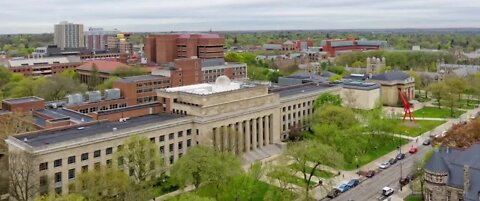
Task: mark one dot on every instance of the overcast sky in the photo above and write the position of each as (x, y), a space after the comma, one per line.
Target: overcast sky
(38, 16)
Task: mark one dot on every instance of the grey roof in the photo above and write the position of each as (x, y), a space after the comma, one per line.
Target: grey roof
(436, 164)
(390, 76)
(299, 89)
(454, 161)
(360, 85)
(73, 133)
(22, 100)
(139, 78)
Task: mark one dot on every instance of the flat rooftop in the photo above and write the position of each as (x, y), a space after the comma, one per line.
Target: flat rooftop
(46, 137)
(22, 100)
(221, 84)
(300, 89)
(139, 78)
(360, 85)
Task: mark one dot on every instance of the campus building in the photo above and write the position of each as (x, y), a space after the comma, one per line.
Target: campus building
(337, 47)
(163, 49)
(453, 174)
(69, 35)
(42, 66)
(392, 83)
(96, 39)
(249, 119)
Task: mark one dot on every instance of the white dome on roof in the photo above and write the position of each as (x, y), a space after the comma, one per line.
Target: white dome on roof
(222, 81)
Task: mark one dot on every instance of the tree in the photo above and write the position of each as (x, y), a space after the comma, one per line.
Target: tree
(14, 123)
(57, 87)
(94, 78)
(232, 57)
(141, 158)
(203, 165)
(24, 184)
(358, 64)
(103, 183)
(335, 78)
(128, 71)
(309, 156)
(108, 83)
(56, 197)
(438, 91)
(425, 80)
(70, 73)
(328, 99)
(457, 85)
(342, 118)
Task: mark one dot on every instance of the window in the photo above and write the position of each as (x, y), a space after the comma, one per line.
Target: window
(109, 163)
(170, 147)
(180, 134)
(71, 159)
(108, 151)
(162, 138)
(171, 136)
(189, 142)
(84, 156)
(58, 177)
(162, 149)
(43, 180)
(171, 159)
(85, 168)
(189, 131)
(58, 190)
(96, 166)
(57, 163)
(71, 173)
(96, 154)
(152, 139)
(43, 166)
(180, 145)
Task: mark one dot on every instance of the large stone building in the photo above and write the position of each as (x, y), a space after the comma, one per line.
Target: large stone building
(453, 174)
(392, 83)
(69, 35)
(337, 47)
(250, 120)
(96, 39)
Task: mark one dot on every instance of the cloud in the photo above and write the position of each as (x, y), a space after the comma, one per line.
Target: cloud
(36, 16)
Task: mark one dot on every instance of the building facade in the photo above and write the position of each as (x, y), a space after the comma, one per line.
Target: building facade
(43, 66)
(96, 39)
(337, 47)
(453, 174)
(250, 120)
(69, 35)
(392, 84)
(163, 49)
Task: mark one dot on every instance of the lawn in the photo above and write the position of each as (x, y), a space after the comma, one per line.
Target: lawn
(292, 179)
(317, 173)
(413, 198)
(421, 127)
(390, 144)
(435, 112)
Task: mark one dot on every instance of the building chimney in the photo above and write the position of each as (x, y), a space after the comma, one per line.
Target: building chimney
(466, 179)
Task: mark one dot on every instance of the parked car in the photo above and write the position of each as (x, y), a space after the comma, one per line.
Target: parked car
(404, 181)
(387, 191)
(400, 156)
(384, 165)
(370, 174)
(352, 183)
(343, 187)
(392, 161)
(413, 150)
(426, 142)
(333, 193)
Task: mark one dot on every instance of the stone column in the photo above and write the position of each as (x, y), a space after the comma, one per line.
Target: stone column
(267, 130)
(254, 133)
(225, 137)
(260, 131)
(240, 138)
(248, 146)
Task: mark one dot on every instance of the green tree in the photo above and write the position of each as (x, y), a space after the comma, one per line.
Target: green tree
(70, 73)
(128, 71)
(309, 156)
(341, 117)
(56, 197)
(327, 99)
(203, 166)
(232, 57)
(191, 197)
(57, 87)
(108, 83)
(335, 78)
(358, 64)
(141, 158)
(103, 183)
(438, 91)
(94, 78)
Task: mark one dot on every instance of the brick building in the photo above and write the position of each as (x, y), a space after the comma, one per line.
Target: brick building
(105, 69)
(337, 47)
(42, 66)
(163, 49)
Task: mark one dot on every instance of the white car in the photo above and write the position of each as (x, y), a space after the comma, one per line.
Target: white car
(384, 165)
(387, 191)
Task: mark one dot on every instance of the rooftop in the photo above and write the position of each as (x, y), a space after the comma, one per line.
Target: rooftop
(300, 89)
(22, 100)
(360, 85)
(139, 78)
(391, 76)
(222, 84)
(104, 66)
(46, 137)
(43, 60)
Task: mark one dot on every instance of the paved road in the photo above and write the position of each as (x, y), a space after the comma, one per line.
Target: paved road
(370, 189)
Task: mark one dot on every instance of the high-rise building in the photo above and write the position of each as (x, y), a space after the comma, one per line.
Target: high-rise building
(166, 48)
(68, 35)
(120, 42)
(97, 39)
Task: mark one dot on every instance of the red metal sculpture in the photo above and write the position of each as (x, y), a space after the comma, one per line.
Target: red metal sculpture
(406, 108)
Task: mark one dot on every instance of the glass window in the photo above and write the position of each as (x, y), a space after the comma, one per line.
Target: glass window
(189, 142)
(96, 154)
(189, 131)
(180, 134)
(43, 166)
(58, 177)
(109, 151)
(162, 138)
(84, 156)
(85, 168)
(171, 136)
(71, 173)
(170, 147)
(57, 163)
(71, 159)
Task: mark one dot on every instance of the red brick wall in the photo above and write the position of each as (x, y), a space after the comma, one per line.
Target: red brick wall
(24, 107)
(188, 67)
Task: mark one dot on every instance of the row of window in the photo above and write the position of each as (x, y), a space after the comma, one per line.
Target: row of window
(295, 106)
(72, 159)
(103, 108)
(166, 81)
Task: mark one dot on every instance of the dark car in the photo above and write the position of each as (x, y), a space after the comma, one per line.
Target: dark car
(333, 193)
(370, 174)
(426, 142)
(352, 183)
(400, 156)
(404, 181)
(392, 161)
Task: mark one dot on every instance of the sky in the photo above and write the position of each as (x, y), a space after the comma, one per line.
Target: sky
(39, 16)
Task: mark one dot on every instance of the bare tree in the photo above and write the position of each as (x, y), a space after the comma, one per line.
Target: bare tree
(23, 179)
(349, 97)
(14, 123)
